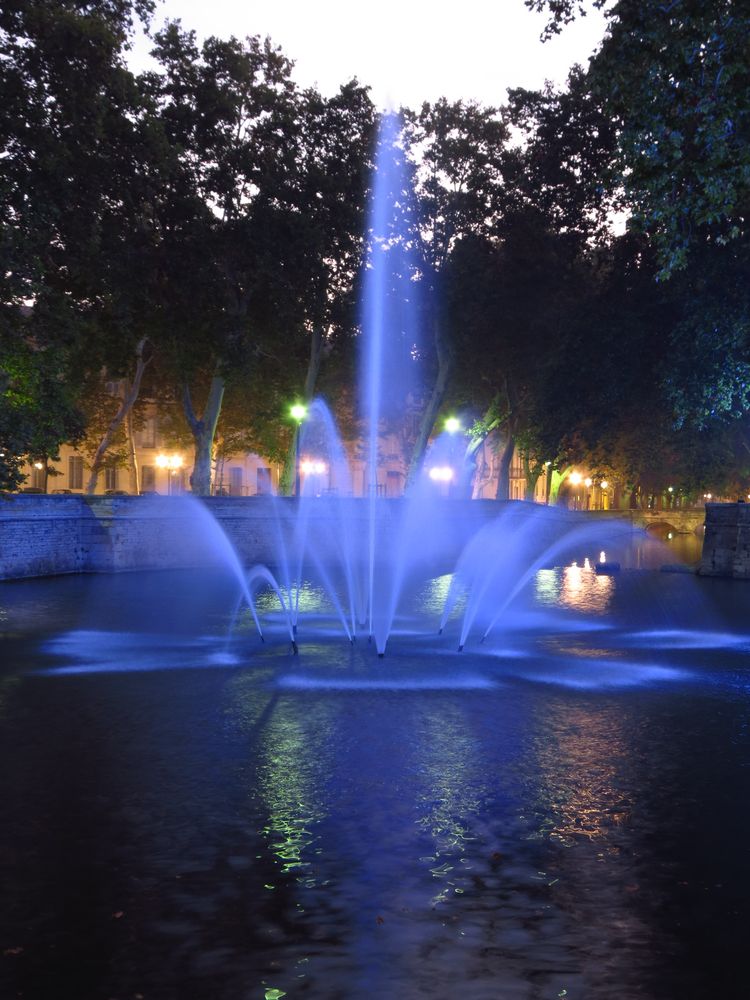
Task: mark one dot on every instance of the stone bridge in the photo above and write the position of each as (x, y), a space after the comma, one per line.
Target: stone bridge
(685, 520)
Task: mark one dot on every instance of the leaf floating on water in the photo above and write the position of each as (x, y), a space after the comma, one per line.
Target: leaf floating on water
(274, 994)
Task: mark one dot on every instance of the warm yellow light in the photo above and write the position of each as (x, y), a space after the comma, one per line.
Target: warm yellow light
(670, 489)
(313, 466)
(298, 412)
(169, 461)
(441, 473)
(587, 482)
(604, 484)
(38, 465)
(575, 478)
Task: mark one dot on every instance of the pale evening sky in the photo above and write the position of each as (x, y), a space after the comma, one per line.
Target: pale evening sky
(407, 51)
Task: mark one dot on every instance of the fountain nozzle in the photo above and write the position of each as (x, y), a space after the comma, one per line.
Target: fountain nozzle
(295, 648)
(461, 648)
(381, 655)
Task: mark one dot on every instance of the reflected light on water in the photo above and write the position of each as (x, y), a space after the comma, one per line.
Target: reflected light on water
(291, 779)
(579, 752)
(575, 587)
(451, 794)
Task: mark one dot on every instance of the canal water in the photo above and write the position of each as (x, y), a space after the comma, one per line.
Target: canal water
(560, 811)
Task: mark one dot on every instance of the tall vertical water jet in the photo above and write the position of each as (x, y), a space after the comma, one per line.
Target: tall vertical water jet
(389, 325)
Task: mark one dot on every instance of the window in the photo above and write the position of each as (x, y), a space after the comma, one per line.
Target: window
(145, 437)
(75, 472)
(38, 477)
(148, 478)
(394, 484)
(235, 482)
(110, 478)
(263, 481)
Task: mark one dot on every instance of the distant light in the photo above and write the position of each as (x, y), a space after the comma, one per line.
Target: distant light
(313, 466)
(604, 484)
(452, 425)
(38, 465)
(169, 461)
(587, 482)
(586, 563)
(670, 489)
(547, 464)
(670, 535)
(441, 473)
(602, 556)
(575, 478)
(298, 412)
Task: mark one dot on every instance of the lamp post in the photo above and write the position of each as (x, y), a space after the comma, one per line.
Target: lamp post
(298, 413)
(171, 463)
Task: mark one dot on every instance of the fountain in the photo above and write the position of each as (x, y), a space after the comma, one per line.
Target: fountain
(190, 809)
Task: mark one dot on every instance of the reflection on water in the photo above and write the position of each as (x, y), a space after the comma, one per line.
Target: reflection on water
(579, 750)
(452, 788)
(509, 822)
(293, 769)
(579, 588)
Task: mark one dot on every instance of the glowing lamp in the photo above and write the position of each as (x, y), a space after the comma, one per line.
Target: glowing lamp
(453, 425)
(604, 484)
(576, 478)
(171, 462)
(587, 482)
(313, 466)
(38, 465)
(298, 412)
(441, 473)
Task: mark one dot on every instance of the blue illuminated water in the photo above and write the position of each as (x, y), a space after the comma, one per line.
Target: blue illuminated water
(561, 811)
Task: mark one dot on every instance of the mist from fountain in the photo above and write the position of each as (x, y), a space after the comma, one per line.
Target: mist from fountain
(365, 564)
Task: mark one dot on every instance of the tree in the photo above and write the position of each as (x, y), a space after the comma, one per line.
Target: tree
(332, 141)
(37, 408)
(674, 77)
(459, 149)
(76, 188)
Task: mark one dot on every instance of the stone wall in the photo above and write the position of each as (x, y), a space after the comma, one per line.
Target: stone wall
(44, 535)
(726, 547)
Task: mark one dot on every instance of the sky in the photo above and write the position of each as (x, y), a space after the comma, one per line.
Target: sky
(407, 51)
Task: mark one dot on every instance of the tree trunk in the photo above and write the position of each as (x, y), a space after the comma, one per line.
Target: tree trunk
(135, 472)
(531, 474)
(439, 389)
(288, 472)
(558, 477)
(204, 431)
(129, 396)
(479, 434)
(503, 472)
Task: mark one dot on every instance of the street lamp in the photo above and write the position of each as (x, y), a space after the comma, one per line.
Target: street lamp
(171, 463)
(453, 425)
(298, 413)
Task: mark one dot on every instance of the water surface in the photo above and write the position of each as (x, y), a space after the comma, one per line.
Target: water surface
(561, 811)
